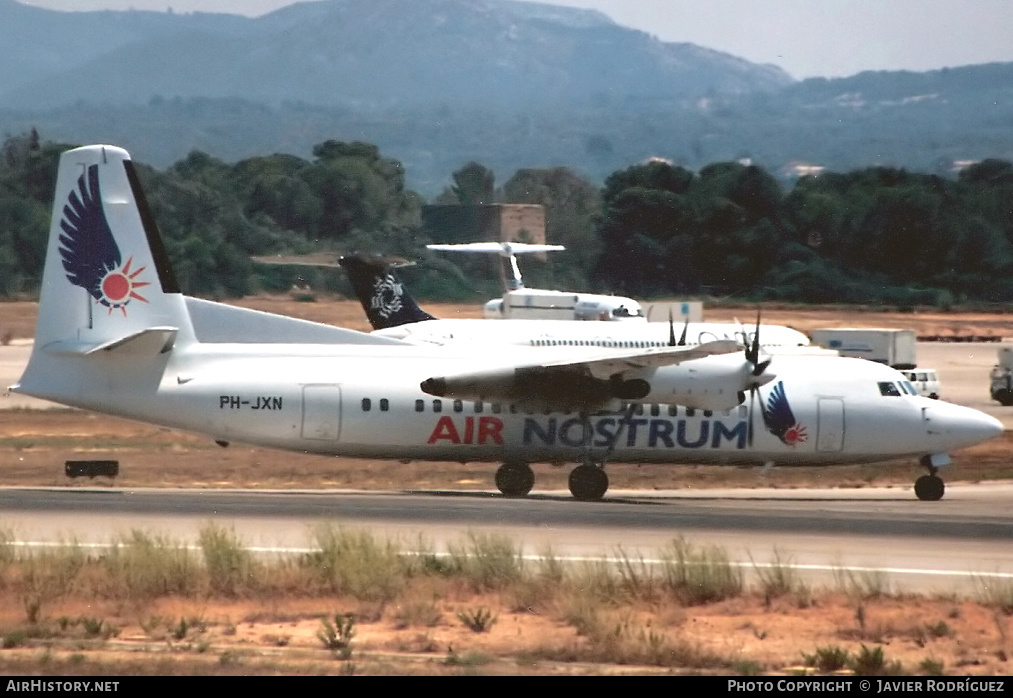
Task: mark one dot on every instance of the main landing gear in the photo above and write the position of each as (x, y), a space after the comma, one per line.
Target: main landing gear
(930, 488)
(588, 482)
(515, 479)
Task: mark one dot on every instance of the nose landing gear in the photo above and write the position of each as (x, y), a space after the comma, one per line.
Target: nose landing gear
(929, 488)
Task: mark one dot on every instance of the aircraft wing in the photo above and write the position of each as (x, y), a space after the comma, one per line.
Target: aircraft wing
(607, 366)
(583, 383)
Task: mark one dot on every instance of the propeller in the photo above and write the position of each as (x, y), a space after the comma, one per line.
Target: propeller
(753, 351)
(753, 357)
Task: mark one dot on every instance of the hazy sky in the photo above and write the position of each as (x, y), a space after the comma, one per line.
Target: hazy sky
(807, 38)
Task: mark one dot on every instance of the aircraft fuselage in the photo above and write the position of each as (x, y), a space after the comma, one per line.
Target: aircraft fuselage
(360, 401)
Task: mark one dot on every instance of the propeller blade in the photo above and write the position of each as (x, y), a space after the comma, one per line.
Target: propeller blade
(685, 329)
(671, 329)
(753, 354)
(752, 405)
(627, 416)
(753, 351)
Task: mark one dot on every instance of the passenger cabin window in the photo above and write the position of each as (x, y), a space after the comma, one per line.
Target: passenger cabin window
(420, 405)
(437, 405)
(889, 389)
(384, 404)
(478, 407)
(366, 404)
(458, 406)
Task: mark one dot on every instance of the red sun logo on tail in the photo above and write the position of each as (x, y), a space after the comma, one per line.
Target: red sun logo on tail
(119, 286)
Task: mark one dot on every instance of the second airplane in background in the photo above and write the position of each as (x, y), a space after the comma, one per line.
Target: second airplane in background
(522, 303)
(393, 312)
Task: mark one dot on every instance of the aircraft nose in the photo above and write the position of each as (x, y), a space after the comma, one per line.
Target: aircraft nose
(962, 424)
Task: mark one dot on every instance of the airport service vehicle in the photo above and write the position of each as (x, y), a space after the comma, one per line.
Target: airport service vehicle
(115, 335)
(1001, 385)
(522, 303)
(393, 312)
(924, 380)
(893, 347)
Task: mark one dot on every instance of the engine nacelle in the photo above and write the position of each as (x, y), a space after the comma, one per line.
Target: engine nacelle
(713, 383)
(717, 383)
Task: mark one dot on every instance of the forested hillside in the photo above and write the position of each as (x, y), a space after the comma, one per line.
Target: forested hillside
(874, 235)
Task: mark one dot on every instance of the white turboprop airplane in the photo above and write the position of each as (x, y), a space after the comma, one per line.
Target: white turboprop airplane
(392, 312)
(522, 303)
(116, 336)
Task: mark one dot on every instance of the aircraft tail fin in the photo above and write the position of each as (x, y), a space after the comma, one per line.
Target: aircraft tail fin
(107, 276)
(381, 293)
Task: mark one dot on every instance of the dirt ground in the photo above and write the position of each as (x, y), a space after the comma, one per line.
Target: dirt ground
(751, 634)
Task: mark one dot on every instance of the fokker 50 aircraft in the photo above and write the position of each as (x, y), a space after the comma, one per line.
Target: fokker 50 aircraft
(393, 312)
(115, 335)
(522, 303)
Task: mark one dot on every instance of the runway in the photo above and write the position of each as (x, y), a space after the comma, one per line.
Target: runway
(956, 544)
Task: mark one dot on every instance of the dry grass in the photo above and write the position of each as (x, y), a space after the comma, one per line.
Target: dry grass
(65, 612)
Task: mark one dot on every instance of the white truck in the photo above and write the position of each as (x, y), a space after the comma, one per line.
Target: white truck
(893, 347)
(1001, 387)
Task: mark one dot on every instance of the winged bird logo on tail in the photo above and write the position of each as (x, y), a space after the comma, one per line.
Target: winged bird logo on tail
(780, 420)
(89, 251)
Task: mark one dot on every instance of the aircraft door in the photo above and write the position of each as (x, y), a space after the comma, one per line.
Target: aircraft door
(321, 412)
(830, 428)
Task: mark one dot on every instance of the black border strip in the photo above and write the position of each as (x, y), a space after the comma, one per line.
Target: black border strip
(158, 253)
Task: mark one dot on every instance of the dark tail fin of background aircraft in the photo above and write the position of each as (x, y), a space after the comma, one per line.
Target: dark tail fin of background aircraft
(381, 292)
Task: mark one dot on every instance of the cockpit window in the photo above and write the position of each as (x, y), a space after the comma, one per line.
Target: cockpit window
(908, 387)
(889, 389)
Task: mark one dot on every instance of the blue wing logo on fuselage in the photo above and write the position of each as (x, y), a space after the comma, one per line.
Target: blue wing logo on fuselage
(780, 420)
(89, 251)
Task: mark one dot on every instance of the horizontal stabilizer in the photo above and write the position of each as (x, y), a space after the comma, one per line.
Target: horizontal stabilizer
(504, 248)
(148, 342)
(219, 323)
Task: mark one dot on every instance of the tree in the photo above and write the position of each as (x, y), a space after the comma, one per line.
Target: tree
(474, 185)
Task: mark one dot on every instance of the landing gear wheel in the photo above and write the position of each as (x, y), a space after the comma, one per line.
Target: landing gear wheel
(930, 488)
(588, 483)
(515, 479)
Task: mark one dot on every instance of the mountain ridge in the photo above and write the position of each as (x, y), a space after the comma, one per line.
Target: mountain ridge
(363, 53)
